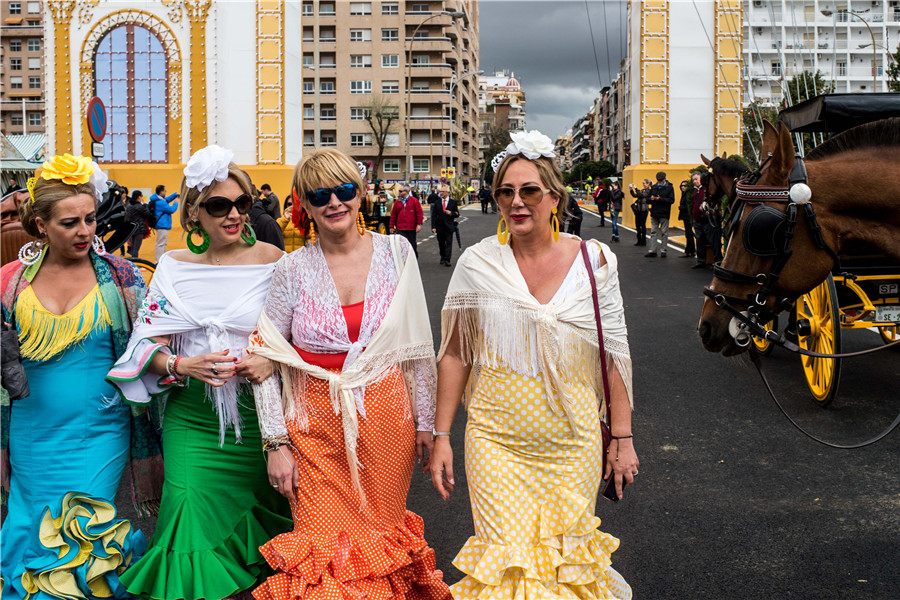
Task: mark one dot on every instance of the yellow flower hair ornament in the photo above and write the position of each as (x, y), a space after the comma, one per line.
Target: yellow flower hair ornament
(71, 170)
(32, 181)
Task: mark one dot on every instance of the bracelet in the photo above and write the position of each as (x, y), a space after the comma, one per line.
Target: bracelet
(275, 443)
(435, 433)
(622, 437)
(170, 362)
(175, 366)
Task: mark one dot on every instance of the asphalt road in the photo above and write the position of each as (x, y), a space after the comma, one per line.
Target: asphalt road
(731, 501)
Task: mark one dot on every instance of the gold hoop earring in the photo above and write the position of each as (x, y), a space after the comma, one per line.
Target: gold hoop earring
(361, 223)
(502, 234)
(554, 225)
(311, 238)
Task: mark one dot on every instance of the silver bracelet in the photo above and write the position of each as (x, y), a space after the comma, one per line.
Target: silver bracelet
(170, 364)
(436, 433)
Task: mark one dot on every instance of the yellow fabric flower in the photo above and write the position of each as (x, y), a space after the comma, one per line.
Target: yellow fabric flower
(72, 170)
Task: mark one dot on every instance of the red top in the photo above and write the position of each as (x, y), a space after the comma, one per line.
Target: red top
(406, 217)
(353, 315)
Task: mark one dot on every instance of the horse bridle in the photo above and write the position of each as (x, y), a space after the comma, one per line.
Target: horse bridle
(780, 225)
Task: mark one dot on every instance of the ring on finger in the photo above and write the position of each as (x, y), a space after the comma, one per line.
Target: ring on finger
(275, 485)
(214, 370)
(634, 474)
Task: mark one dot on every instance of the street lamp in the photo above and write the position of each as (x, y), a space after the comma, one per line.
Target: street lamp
(885, 48)
(453, 82)
(828, 13)
(443, 13)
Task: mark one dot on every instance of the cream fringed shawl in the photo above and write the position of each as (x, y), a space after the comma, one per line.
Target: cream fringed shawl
(402, 338)
(501, 325)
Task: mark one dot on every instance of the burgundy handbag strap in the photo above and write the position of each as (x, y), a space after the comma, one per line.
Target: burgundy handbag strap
(590, 272)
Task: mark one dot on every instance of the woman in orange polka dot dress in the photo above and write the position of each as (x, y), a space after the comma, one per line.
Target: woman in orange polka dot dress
(520, 309)
(351, 404)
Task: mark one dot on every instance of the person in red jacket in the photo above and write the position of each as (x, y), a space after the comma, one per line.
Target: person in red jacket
(407, 217)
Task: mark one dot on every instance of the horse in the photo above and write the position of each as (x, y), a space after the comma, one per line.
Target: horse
(723, 174)
(854, 206)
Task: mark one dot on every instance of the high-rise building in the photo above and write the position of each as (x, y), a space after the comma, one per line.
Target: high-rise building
(501, 108)
(22, 72)
(393, 83)
(849, 41)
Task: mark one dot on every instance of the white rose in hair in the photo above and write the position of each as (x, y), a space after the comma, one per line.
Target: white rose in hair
(207, 165)
(100, 181)
(532, 144)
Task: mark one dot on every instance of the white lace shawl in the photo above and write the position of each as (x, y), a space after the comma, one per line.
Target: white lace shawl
(501, 325)
(303, 308)
(203, 309)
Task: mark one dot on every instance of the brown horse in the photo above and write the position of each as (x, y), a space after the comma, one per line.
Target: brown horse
(723, 174)
(856, 195)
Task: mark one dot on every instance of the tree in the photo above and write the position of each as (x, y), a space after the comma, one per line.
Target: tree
(754, 115)
(804, 86)
(496, 134)
(594, 170)
(382, 116)
(894, 72)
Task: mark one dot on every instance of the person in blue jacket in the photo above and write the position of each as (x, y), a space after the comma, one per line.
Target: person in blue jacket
(164, 206)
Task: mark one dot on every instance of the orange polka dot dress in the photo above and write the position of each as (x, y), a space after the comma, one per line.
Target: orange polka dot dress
(342, 547)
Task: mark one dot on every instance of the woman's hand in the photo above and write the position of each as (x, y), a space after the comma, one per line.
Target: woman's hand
(622, 463)
(424, 448)
(213, 368)
(442, 461)
(254, 368)
(282, 470)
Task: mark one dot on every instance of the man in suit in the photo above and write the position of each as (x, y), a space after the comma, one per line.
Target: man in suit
(443, 214)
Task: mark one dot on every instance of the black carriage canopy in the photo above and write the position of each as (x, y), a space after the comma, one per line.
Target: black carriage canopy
(833, 113)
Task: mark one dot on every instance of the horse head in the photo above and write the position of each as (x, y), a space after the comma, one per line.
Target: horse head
(757, 230)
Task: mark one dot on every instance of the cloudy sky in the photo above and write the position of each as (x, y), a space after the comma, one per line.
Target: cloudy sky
(547, 44)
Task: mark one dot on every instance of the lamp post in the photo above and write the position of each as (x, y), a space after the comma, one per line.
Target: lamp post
(828, 13)
(444, 13)
(885, 48)
(453, 83)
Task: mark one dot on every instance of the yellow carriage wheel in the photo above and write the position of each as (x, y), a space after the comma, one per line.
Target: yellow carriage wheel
(764, 347)
(819, 330)
(889, 334)
(146, 268)
(382, 229)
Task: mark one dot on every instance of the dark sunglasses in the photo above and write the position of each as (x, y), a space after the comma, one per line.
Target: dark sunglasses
(219, 206)
(322, 196)
(530, 194)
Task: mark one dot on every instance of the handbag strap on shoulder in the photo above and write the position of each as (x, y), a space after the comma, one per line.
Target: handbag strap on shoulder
(602, 349)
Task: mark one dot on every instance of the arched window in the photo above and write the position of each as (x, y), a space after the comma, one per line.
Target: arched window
(130, 71)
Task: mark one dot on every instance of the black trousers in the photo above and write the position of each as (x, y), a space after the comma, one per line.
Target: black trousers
(411, 236)
(689, 247)
(708, 235)
(640, 226)
(445, 244)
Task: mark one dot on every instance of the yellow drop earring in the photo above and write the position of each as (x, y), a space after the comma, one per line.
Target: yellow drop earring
(554, 225)
(361, 223)
(502, 233)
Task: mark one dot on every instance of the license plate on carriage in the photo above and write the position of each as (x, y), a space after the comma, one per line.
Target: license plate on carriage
(888, 313)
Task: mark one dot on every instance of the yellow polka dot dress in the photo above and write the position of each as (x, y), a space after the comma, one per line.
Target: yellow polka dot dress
(533, 485)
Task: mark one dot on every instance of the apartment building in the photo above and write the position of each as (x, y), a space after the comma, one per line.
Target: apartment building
(21, 67)
(414, 63)
(849, 41)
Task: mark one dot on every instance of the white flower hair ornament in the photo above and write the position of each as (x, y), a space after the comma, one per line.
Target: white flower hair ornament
(530, 144)
(100, 181)
(362, 169)
(207, 165)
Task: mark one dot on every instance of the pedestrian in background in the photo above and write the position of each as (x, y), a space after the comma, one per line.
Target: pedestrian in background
(484, 195)
(163, 208)
(662, 197)
(294, 237)
(443, 223)
(573, 216)
(706, 223)
(407, 217)
(601, 198)
(519, 333)
(270, 201)
(640, 207)
(136, 212)
(264, 226)
(616, 195)
(684, 215)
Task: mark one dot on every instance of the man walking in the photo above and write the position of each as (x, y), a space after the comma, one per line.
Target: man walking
(443, 213)
(407, 217)
(266, 228)
(662, 197)
(706, 224)
(270, 201)
(486, 198)
(601, 198)
(684, 215)
(163, 206)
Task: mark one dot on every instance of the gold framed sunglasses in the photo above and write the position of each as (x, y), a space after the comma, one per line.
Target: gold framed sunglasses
(530, 194)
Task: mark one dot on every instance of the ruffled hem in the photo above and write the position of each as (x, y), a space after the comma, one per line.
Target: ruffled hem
(570, 560)
(231, 567)
(394, 564)
(79, 554)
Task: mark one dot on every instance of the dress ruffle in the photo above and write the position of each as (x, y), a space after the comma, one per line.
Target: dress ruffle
(80, 553)
(231, 566)
(394, 564)
(571, 559)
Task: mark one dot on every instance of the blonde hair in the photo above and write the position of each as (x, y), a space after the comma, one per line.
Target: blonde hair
(550, 174)
(192, 197)
(47, 192)
(324, 167)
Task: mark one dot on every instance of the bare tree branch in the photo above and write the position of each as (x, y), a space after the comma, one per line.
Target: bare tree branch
(382, 116)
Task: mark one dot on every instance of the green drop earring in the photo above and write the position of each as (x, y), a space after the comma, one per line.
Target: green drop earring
(204, 245)
(247, 234)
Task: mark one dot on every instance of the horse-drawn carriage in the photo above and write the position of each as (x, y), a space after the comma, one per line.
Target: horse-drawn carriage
(817, 237)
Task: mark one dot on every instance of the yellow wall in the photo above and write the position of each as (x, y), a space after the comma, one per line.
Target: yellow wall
(637, 173)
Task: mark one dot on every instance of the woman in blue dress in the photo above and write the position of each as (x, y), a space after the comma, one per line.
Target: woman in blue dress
(69, 439)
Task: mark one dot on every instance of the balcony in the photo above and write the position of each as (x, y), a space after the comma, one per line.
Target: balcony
(436, 144)
(429, 70)
(428, 44)
(415, 18)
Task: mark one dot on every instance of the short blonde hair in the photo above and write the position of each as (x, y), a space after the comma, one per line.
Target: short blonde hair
(191, 197)
(324, 167)
(551, 177)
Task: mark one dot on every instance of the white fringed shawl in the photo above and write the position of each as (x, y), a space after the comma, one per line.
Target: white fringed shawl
(403, 337)
(501, 325)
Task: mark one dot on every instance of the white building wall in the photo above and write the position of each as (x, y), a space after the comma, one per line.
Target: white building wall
(232, 58)
(691, 81)
(293, 78)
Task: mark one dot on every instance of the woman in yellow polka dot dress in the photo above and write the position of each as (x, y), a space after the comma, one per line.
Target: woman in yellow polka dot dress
(520, 311)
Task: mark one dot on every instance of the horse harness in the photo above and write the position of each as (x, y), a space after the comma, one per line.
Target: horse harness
(768, 233)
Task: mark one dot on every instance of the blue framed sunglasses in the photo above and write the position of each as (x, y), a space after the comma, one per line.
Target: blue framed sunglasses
(322, 196)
